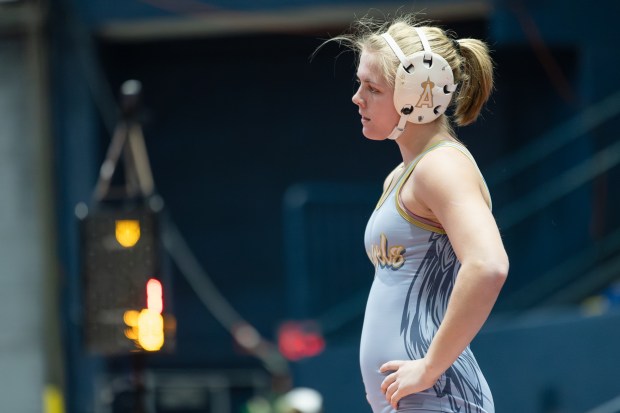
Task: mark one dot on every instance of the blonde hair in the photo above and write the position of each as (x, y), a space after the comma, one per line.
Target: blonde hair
(469, 59)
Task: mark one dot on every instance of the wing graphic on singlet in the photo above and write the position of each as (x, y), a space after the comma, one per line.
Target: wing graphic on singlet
(422, 316)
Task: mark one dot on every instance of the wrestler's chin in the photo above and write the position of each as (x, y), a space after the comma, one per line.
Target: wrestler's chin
(374, 135)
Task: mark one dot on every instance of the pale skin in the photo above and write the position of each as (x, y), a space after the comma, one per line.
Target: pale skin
(446, 188)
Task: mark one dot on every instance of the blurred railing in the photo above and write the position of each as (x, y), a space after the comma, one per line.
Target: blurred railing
(611, 406)
(557, 187)
(558, 137)
(590, 270)
(579, 276)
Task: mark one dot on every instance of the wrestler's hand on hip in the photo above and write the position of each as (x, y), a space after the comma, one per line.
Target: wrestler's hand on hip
(407, 377)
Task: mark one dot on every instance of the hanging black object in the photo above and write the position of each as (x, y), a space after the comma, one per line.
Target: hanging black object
(124, 292)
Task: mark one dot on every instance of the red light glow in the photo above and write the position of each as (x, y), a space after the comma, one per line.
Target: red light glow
(154, 296)
(300, 340)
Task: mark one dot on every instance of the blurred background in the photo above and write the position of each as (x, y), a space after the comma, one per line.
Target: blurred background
(238, 163)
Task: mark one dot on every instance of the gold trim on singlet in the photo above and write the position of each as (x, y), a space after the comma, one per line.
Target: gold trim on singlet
(390, 188)
(407, 216)
(420, 224)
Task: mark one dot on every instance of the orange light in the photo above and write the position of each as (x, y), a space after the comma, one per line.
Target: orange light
(127, 232)
(150, 330)
(131, 333)
(131, 318)
(146, 327)
(150, 320)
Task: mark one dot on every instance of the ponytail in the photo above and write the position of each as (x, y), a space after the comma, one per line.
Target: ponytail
(476, 80)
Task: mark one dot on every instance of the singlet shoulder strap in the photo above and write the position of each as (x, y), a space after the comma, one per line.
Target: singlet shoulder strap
(406, 173)
(456, 145)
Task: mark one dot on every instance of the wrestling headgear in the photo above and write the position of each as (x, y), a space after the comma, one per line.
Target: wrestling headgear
(423, 85)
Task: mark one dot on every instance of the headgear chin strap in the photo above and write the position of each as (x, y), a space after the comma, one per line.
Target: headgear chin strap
(423, 85)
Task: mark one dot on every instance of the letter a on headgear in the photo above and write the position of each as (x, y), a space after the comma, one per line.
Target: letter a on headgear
(426, 99)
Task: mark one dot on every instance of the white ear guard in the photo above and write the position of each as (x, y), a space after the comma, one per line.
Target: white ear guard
(423, 86)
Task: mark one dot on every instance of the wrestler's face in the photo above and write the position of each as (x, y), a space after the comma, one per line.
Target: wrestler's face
(375, 99)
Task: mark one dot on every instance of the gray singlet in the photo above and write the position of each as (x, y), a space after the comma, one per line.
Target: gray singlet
(415, 270)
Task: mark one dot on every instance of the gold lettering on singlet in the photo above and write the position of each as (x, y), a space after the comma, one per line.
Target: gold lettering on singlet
(391, 257)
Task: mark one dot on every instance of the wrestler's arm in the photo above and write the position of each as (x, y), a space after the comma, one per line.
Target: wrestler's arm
(448, 184)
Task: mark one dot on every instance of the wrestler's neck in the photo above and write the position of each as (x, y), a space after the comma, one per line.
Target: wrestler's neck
(416, 138)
